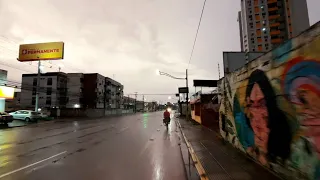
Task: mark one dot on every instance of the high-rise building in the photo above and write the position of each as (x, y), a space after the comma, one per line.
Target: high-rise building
(264, 24)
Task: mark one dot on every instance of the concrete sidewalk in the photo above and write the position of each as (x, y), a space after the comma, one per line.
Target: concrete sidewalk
(218, 159)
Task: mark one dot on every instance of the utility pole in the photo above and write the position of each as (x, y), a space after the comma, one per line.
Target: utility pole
(105, 97)
(128, 102)
(187, 97)
(219, 70)
(38, 87)
(135, 102)
(143, 101)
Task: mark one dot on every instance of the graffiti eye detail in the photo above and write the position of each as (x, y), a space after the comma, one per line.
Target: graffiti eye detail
(302, 99)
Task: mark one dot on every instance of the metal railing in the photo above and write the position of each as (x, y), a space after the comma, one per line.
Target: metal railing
(192, 156)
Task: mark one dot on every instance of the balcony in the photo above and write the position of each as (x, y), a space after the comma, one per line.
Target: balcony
(272, 1)
(275, 25)
(276, 41)
(274, 17)
(275, 32)
(273, 9)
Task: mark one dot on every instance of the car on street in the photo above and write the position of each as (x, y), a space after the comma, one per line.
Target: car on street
(26, 115)
(5, 118)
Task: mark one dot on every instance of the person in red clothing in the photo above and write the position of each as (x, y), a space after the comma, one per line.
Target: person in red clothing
(166, 116)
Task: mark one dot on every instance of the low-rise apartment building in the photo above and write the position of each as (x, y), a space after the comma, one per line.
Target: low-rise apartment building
(72, 90)
(75, 90)
(52, 90)
(114, 94)
(94, 89)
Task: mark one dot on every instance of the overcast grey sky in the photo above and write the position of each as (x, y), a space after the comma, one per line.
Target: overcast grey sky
(129, 39)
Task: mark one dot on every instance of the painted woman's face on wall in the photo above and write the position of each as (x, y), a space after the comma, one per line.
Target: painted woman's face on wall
(258, 115)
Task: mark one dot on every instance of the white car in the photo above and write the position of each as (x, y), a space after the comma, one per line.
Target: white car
(26, 115)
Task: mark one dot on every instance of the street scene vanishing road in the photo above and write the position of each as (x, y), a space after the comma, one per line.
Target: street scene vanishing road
(126, 147)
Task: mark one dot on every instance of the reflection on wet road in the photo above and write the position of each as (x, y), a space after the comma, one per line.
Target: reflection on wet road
(128, 147)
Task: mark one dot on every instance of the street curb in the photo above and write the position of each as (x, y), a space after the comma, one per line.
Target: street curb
(201, 172)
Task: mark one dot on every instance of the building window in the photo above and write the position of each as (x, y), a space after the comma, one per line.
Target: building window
(256, 10)
(48, 101)
(49, 81)
(34, 91)
(34, 81)
(49, 91)
(33, 100)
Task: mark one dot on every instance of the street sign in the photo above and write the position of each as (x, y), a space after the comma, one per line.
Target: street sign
(41, 51)
(183, 90)
(205, 83)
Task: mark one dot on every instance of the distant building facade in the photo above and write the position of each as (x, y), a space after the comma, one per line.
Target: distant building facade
(114, 93)
(72, 90)
(94, 89)
(75, 90)
(234, 60)
(52, 90)
(128, 102)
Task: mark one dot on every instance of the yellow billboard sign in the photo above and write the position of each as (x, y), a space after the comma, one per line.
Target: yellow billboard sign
(41, 51)
(6, 92)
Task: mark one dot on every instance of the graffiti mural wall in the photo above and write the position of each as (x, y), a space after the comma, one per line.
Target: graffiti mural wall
(270, 108)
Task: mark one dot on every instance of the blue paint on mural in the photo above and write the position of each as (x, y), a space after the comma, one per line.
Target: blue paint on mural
(301, 68)
(281, 53)
(244, 132)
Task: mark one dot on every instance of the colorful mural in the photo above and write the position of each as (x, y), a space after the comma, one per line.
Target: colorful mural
(270, 109)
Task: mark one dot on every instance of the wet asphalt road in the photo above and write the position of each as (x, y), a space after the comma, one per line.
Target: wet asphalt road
(128, 147)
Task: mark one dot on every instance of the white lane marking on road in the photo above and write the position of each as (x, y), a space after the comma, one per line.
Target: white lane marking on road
(25, 167)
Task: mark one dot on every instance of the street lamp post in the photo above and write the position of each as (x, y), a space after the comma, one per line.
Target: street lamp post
(173, 77)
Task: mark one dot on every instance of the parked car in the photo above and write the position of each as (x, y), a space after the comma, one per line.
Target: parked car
(5, 118)
(26, 115)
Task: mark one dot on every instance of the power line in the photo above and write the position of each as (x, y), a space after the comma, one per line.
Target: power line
(195, 39)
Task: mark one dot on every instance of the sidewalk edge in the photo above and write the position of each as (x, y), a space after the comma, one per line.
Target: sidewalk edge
(202, 173)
